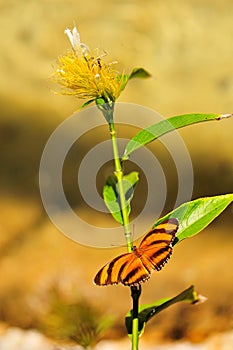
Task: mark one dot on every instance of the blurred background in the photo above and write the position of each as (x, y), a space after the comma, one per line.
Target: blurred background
(46, 279)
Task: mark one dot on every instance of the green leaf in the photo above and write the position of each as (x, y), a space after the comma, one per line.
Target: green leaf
(110, 197)
(111, 194)
(85, 104)
(156, 130)
(146, 312)
(194, 216)
(129, 182)
(136, 73)
(139, 73)
(123, 79)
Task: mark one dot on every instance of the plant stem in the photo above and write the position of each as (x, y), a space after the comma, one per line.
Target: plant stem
(135, 294)
(135, 291)
(119, 174)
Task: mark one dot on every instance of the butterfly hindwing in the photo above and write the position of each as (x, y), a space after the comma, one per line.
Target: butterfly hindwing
(157, 257)
(135, 272)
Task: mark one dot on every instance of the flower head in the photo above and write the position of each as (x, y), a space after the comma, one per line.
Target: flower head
(85, 75)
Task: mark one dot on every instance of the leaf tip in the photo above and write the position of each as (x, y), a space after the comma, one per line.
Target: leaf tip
(224, 116)
(199, 298)
(139, 73)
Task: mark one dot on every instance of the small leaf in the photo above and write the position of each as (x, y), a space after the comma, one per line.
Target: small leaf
(161, 128)
(139, 73)
(146, 312)
(194, 216)
(129, 182)
(123, 79)
(87, 103)
(136, 73)
(111, 198)
(111, 194)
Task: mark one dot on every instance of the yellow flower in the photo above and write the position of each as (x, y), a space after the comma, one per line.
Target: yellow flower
(86, 75)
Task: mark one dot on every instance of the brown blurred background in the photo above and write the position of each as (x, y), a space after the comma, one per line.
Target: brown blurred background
(188, 48)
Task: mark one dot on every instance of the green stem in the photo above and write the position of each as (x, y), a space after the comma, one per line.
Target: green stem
(107, 110)
(119, 174)
(135, 291)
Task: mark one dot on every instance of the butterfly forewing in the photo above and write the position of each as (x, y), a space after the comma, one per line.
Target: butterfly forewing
(111, 272)
(163, 233)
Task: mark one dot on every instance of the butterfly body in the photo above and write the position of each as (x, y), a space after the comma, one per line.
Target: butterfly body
(133, 268)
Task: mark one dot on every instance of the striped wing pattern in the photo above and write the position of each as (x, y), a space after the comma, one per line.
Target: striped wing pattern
(133, 268)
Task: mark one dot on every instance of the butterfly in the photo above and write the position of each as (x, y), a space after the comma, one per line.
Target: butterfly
(136, 267)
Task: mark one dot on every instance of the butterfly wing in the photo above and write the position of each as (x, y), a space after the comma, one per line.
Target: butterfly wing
(127, 269)
(111, 272)
(156, 246)
(135, 267)
(164, 232)
(134, 272)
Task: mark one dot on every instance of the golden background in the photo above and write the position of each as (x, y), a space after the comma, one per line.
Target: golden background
(188, 48)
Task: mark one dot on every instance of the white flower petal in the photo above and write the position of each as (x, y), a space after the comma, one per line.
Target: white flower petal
(76, 44)
(70, 35)
(76, 39)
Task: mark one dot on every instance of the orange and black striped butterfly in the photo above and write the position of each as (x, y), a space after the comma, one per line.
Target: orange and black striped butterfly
(133, 268)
